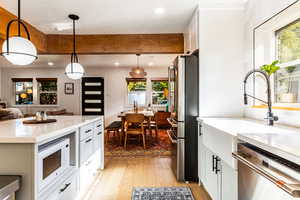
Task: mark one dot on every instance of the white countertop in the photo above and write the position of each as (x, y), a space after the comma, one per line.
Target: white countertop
(14, 131)
(281, 140)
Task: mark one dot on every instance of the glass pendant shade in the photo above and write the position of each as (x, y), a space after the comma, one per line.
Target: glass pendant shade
(74, 71)
(21, 51)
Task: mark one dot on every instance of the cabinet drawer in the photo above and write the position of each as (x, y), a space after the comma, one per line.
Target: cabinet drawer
(86, 131)
(99, 126)
(67, 190)
(86, 149)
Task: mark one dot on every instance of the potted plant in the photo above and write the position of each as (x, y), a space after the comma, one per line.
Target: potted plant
(270, 69)
(289, 97)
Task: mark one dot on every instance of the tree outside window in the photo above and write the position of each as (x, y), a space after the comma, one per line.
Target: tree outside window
(47, 89)
(288, 53)
(160, 91)
(137, 91)
(23, 91)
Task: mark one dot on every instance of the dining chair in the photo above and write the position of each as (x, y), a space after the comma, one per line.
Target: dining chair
(160, 121)
(134, 126)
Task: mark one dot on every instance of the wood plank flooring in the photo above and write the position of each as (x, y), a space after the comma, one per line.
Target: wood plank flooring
(122, 174)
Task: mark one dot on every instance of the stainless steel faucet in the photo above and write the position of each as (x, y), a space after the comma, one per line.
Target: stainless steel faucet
(270, 116)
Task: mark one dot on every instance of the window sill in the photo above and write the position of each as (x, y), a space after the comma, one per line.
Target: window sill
(34, 105)
(278, 107)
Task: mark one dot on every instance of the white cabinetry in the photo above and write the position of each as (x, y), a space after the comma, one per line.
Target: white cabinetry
(91, 153)
(191, 34)
(217, 176)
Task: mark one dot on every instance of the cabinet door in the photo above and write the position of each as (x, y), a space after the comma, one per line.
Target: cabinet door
(212, 180)
(99, 147)
(201, 159)
(229, 175)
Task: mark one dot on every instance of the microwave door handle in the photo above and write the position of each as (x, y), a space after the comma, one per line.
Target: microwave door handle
(276, 177)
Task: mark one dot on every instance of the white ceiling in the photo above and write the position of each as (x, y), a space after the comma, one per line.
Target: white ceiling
(99, 61)
(110, 16)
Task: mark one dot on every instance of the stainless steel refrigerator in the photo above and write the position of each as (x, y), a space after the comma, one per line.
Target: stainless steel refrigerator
(184, 105)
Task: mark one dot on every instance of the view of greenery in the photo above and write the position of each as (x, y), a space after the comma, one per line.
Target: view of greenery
(23, 93)
(160, 92)
(136, 86)
(48, 92)
(288, 40)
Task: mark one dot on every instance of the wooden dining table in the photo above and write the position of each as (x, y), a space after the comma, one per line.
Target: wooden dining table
(148, 117)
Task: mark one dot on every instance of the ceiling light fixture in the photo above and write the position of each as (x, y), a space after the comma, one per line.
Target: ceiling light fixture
(159, 11)
(138, 72)
(117, 64)
(16, 49)
(74, 70)
(150, 64)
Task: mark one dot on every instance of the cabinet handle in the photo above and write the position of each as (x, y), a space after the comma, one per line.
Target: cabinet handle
(88, 131)
(87, 141)
(99, 126)
(217, 165)
(213, 163)
(99, 133)
(66, 186)
(200, 129)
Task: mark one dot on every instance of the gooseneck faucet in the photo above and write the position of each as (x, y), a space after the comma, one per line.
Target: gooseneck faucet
(270, 116)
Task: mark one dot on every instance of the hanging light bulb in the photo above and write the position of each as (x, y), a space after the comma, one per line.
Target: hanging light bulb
(18, 50)
(74, 70)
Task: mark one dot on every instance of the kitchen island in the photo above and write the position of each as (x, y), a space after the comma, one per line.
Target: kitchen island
(56, 160)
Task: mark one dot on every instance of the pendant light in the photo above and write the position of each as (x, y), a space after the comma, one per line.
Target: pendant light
(16, 49)
(138, 72)
(74, 70)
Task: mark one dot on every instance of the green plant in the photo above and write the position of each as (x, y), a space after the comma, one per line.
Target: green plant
(270, 69)
(290, 69)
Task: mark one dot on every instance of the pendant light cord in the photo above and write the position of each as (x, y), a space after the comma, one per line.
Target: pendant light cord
(74, 39)
(19, 18)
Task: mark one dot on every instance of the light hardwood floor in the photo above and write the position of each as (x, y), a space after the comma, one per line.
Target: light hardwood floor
(122, 174)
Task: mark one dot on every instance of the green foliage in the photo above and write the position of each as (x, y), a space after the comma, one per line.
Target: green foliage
(271, 69)
(290, 69)
(160, 86)
(136, 86)
(289, 43)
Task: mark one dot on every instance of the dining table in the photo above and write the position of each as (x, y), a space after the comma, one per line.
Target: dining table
(149, 114)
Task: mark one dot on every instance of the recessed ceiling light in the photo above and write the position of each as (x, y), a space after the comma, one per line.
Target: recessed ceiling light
(117, 64)
(150, 64)
(62, 26)
(50, 63)
(159, 11)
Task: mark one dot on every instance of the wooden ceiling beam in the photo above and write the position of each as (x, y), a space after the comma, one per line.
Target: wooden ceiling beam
(172, 43)
(117, 44)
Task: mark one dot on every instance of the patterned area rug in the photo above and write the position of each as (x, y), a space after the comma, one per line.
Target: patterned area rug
(154, 147)
(165, 193)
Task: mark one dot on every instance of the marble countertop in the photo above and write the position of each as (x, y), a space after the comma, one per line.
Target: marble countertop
(14, 131)
(281, 140)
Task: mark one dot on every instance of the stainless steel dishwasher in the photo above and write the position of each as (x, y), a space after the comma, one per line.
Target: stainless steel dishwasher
(265, 176)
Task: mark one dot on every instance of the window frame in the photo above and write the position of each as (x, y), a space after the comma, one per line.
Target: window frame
(127, 91)
(152, 91)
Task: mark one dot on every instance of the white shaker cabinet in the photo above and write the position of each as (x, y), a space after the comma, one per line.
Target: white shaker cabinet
(217, 176)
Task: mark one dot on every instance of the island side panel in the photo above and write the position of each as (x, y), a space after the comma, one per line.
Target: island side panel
(18, 159)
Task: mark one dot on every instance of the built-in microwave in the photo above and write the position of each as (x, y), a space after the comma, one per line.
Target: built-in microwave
(53, 161)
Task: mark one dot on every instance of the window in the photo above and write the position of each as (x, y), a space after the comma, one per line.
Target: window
(288, 53)
(47, 91)
(136, 91)
(160, 90)
(23, 91)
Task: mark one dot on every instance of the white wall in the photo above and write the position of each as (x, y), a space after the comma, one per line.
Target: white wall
(221, 62)
(257, 12)
(115, 87)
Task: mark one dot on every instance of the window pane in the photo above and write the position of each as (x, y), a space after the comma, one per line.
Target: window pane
(160, 92)
(23, 93)
(48, 92)
(287, 85)
(288, 39)
(137, 92)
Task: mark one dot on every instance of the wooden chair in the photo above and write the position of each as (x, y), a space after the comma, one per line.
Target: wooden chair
(160, 121)
(134, 126)
(114, 127)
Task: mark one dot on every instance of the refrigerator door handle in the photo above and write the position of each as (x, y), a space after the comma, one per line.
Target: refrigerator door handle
(174, 141)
